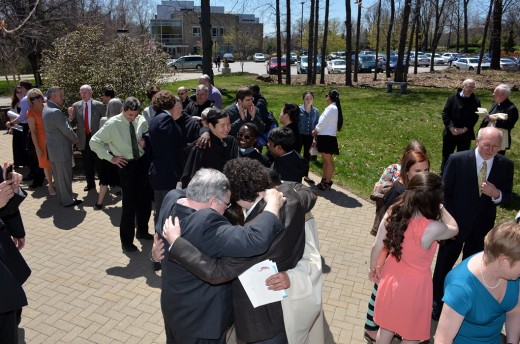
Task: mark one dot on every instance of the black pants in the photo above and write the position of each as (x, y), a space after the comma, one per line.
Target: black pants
(449, 251)
(137, 200)
(450, 143)
(8, 328)
(91, 163)
(306, 143)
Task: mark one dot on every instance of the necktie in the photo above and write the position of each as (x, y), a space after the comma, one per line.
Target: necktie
(133, 138)
(482, 176)
(85, 118)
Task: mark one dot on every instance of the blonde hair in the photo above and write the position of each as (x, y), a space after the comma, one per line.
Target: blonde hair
(33, 92)
(504, 239)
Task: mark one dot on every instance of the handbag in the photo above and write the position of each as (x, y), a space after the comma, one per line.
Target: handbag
(313, 151)
(378, 196)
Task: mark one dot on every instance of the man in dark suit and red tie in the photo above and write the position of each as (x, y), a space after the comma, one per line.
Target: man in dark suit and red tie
(87, 114)
(475, 182)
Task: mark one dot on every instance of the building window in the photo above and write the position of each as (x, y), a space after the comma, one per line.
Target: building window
(221, 31)
(214, 31)
(196, 31)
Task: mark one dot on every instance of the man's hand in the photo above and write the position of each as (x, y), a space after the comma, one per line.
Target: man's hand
(274, 201)
(19, 243)
(6, 192)
(120, 161)
(70, 112)
(455, 131)
(251, 111)
(492, 118)
(489, 189)
(279, 281)
(157, 248)
(203, 141)
(170, 231)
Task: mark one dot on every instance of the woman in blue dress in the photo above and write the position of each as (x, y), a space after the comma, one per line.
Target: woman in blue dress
(482, 293)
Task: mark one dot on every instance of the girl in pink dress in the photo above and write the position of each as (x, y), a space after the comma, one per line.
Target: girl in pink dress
(409, 232)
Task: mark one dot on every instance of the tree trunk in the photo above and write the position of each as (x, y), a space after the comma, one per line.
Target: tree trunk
(389, 37)
(399, 68)
(288, 43)
(278, 43)
(495, 43)
(378, 29)
(207, 43)
(466, 3)
(316, 35)
(310, 55)
(358, 32)
(324, 44)
(484, 36)
(348, 43)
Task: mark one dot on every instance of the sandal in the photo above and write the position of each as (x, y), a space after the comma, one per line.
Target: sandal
(308, 180)
(323, 185)
(98, 206)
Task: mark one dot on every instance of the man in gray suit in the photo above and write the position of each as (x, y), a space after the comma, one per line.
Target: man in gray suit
(60, 138)
(87, 114)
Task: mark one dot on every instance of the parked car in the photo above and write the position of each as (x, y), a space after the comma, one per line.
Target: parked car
(468, 63)
(230, 58)
(437, 59)
(334, 55)
(187, 62)
(273, 65)
(337, 66)
(508, 64)
(294, 58)
(259, 57)
(450, 57)
(367, 64)
(422, 60)
(303, 62)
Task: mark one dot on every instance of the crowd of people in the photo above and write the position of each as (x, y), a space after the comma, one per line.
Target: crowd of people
(222, 205)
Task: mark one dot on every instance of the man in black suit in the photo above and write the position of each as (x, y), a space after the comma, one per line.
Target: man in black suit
(196, 312)
(264, 323)
(164, 146)
(475, 182)
(13, 268)
(288, 163)
(243, 111)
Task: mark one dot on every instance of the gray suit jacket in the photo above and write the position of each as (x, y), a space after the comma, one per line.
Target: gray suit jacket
(58, 133)
(98, 110)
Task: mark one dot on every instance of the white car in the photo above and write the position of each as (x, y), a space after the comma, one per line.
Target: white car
(450, 57)
(259, 57)
(507, 64)
(437, 58)
(470, 63)
(337, 66)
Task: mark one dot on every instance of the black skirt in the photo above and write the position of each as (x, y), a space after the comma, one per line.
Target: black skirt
(327, 144)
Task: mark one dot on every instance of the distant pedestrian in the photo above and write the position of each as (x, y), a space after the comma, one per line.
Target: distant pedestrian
(218, 63)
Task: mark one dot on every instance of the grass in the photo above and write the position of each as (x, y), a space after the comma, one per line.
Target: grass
(378, 125)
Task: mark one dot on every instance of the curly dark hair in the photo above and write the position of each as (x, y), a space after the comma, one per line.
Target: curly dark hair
(163, 100)
(424, 195)
(247, 177)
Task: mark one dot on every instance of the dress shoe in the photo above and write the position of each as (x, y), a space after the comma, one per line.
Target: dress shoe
(129, 248)
(308, 180)
(145, 236)
(98, 206)
(89, 187)
(52, 191)
(74, 203)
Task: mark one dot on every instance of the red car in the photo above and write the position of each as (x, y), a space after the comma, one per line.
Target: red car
(272, 66)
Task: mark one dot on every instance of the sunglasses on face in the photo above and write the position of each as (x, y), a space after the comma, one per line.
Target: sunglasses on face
(180, 94)
(246, 137)
(35, 98)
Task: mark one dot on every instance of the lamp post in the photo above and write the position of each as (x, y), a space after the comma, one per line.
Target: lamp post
(301, 30)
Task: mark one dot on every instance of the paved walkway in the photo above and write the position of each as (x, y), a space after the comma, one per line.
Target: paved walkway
(83, 289)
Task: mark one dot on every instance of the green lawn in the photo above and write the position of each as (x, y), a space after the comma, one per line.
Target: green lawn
(378, 125)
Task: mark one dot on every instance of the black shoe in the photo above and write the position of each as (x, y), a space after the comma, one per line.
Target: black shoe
(89, 187)
(74, 203)
(145, 236)
(129, 248)
(98, 206)
(308, 180)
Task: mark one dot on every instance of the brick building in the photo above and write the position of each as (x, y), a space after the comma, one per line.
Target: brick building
(176, 27)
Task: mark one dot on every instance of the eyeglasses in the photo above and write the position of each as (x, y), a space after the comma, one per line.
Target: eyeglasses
(246, 137)
(35, 98)
(228, 205)
(181, 94)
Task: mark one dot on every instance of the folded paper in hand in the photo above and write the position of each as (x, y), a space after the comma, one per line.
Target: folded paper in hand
(253, 281)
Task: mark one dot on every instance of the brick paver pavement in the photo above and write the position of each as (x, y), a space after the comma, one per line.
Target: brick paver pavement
(83, 289)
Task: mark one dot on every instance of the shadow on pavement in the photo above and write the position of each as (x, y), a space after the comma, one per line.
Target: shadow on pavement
(339, 198)
(139, 265)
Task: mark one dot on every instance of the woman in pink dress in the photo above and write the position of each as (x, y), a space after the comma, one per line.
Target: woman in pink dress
(409, 232)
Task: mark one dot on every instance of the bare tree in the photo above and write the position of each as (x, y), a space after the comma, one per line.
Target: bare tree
(310, 52)
(389, 37)
(207, 44)
(324, 45)
(399, 68)
(288, 43)
(486, 26)
(278, 43)
(348, 43)
(378, 27)
(316, 35)
(358, 31)
(495, 43)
